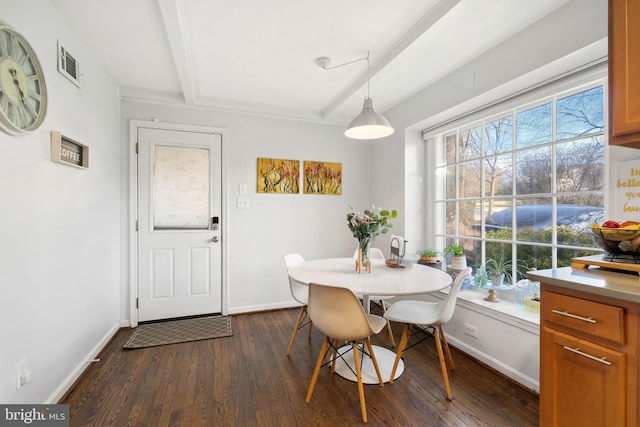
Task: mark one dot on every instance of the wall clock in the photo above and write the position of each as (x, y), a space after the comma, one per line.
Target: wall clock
(23, 92)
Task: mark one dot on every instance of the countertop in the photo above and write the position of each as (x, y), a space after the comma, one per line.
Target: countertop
(595, 280)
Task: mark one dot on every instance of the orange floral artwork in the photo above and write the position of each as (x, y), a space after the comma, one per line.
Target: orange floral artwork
(278, 176)
(322, 178)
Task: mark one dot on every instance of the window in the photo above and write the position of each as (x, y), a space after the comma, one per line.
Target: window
(525, 185)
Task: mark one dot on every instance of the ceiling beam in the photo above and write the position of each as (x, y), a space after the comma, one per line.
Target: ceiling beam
(427, 21)
(176, 28)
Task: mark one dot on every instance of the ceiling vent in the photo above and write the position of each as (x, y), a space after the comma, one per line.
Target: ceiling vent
(68, 66)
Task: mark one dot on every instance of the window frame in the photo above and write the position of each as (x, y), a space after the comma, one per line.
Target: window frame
(437, 163)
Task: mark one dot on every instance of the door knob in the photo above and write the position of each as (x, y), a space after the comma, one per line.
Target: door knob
(215, 239)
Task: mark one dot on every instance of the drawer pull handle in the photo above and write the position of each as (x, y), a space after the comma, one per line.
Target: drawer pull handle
(573, 316)
(588, 356)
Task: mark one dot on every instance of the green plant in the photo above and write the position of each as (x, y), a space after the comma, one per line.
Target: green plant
(428, 253)
(454, 249)
(501, 266)
(370, 224)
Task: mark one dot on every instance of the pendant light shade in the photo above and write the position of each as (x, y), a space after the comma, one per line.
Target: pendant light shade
(369, 124)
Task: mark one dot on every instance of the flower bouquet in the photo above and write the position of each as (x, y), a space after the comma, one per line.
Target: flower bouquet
(366, 227)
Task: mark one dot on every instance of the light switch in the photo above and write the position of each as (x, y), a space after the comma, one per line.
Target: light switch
(242, 189)
(242, 203)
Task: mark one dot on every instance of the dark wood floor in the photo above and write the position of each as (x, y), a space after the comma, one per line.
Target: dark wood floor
(247, 380)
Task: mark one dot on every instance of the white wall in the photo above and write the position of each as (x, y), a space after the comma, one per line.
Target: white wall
(275, 224)
(59, 263)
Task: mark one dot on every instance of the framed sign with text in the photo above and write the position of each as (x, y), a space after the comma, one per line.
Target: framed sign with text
(69, 152)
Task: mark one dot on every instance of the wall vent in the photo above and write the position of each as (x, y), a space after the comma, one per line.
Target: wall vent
(68, 66)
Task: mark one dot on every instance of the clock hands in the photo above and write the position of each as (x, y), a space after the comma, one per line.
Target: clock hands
(14, 73)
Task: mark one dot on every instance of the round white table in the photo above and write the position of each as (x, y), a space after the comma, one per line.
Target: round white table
(382, 280)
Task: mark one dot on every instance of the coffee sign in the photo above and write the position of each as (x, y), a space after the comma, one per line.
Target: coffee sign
(66, 150)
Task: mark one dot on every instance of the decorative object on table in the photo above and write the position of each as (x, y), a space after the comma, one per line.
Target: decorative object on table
(621, 241)
(366, 227)
(397, 252)
(68, 152)
(24, 104)
(278, 176)
(428, 256)
(322, 178)
(528, 295)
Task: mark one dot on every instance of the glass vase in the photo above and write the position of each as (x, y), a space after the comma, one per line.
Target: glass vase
(364, 247)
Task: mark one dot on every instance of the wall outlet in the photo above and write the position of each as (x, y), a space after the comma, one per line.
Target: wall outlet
(242, 203)
(471, 330)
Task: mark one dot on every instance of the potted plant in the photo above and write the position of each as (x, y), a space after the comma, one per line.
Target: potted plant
(458, 257)
(428, 255)
(498, 271)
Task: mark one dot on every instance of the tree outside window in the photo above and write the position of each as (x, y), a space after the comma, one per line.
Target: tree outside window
(526, 185)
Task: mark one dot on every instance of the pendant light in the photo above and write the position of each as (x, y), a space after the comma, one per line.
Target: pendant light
(369, 124)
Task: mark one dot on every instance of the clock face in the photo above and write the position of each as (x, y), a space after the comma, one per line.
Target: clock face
(23, 93)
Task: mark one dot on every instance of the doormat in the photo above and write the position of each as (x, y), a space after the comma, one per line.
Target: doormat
(177, 331)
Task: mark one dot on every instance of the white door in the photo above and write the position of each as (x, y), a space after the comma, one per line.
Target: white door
(179, 223)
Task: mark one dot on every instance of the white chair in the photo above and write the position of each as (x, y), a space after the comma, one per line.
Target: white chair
(375, 253)
(430, 314)
(338, 314)
(299, 292)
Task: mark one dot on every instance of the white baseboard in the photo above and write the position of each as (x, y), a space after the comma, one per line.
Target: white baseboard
(75, 374)
(496, 364)
(263, 307)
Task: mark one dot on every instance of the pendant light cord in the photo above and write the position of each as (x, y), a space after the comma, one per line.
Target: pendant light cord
(366, 58)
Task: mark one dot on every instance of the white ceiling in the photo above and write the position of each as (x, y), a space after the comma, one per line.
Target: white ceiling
(259, 55)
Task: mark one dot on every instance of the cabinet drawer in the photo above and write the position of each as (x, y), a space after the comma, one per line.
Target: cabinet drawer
(584, 316)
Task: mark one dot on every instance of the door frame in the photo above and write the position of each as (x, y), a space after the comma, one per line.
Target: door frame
(134, 125)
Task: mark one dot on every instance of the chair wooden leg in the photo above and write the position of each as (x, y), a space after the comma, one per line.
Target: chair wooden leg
(295, 329)
(403, 344)
(389, 330)
(443, 365)
(373, 360)
(356, 359)
(325, 345)
(446, 349)
(310, 329)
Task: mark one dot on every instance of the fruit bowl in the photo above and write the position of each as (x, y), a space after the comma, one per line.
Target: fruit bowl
(618, 241)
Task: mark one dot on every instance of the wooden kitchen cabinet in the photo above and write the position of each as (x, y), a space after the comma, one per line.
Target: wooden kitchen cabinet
(588, 360)
(624, 73)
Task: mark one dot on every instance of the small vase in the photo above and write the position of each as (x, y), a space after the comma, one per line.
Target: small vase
(458, 262)
(365, 246)
(363, 255)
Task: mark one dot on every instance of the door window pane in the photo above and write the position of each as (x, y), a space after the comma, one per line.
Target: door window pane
(180, 188)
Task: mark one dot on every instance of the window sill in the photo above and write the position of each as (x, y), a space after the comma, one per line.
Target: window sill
(506, 310)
